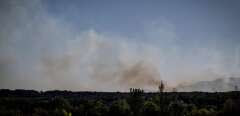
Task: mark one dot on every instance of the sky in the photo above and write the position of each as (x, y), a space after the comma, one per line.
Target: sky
(108, 45)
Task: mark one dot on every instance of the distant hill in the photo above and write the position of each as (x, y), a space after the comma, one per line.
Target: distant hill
(218, 85)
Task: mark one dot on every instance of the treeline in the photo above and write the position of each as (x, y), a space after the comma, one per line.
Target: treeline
(134, 103)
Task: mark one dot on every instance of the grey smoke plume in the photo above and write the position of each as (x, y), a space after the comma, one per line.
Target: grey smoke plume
(140, 75)
(218, 85)
(40, 51)
(99, 61)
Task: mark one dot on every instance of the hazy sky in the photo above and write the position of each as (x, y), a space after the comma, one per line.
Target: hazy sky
(111, 45)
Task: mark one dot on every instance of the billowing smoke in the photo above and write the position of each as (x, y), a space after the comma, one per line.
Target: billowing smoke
(218, 85)
(140, 75)
(41, 51)
(98, 61)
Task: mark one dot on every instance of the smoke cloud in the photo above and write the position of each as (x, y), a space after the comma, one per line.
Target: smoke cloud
(39, 51)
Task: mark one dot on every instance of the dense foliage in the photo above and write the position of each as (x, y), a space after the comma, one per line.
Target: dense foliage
(135, 103)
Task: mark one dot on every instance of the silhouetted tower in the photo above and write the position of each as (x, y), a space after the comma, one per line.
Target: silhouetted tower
(161, 87)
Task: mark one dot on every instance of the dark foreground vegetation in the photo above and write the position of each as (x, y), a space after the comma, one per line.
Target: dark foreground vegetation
(135, 103)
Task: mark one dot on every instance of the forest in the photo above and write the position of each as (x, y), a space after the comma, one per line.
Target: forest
(134, 103)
